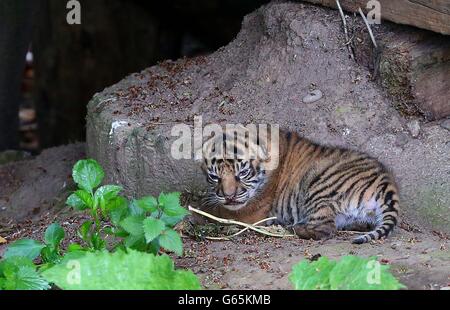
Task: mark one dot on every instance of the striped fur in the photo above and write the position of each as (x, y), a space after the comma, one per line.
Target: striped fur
(315, 190)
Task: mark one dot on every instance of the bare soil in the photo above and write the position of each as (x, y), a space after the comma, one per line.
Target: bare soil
(420, 258)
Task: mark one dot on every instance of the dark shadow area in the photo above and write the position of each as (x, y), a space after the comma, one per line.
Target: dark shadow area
(68, 64)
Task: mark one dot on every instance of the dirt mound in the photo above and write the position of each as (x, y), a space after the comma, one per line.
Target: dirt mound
(29, 187)
(283, 52)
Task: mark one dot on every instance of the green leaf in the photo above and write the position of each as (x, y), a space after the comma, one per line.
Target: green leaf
(85, 231)
(88, 174)
(117, 209)
(132, 270)
(84, 197)
(153, 247)
(171, 221)
(171, 241)
(355, 273)
(19, 273)
(350, 273)
(75, 202)
(119, 232)
(54, 234)
(28, 248)
(170, 204)
(135, 242)
(148, 204)
(50, 255)
(104, 194)
(135, 209)
(74, 247)
(97, 242)
(153, 228)
(312, 275)
(133, 225)
(108, 192)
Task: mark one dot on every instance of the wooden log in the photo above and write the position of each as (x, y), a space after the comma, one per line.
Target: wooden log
(426, 14)
(412, 65)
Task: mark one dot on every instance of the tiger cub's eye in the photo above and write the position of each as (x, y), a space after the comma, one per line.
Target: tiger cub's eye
(244, 173)
(214, 177)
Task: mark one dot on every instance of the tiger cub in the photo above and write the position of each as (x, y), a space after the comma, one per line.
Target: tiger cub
(314, 190)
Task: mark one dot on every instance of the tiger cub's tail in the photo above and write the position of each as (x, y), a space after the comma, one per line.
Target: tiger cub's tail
(389, 210)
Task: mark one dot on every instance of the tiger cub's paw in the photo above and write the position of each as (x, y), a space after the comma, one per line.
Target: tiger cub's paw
(315, 232)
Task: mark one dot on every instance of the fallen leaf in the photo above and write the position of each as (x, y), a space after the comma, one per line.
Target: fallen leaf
(2, 240)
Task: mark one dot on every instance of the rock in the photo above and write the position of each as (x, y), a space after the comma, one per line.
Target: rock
(313, 96)
(446, 124)
(281, 50)
(401, 139)
(413, 128)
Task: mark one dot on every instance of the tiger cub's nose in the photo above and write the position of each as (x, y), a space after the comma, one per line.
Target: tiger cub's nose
(229, 193)
(229, 196)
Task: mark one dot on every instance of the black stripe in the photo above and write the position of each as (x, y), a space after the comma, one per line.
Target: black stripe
(357, 181)
(347, 168)
(381, 192)
(388, 196)
(319, 206)
(288, 136)
(340, 168)
(345, 178)
(361, 194)
(390, 217)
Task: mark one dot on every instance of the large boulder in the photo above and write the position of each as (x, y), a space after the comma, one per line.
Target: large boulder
(283, 51)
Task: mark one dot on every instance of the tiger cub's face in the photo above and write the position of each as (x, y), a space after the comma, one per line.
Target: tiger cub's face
(233, 182)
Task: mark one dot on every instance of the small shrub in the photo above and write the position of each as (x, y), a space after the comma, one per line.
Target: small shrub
(349, 273)
(149, 224)
(19, 273)
(146, 225)
(49, 251)
(131, 270)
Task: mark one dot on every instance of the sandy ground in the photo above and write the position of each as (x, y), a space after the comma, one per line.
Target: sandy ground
(419, 257)
(420, 260)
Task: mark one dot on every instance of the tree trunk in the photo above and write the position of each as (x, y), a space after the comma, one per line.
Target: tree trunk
(16, 21)
(73, 62)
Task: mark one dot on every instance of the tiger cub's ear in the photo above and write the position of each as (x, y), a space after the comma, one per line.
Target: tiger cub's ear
(269, 147)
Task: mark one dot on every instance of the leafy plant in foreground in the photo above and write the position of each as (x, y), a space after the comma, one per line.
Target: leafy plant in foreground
(149, 224)
(131, 270)
(19, 273)
(49, 251)
(99, 200)
(145, 224)
(349, 273)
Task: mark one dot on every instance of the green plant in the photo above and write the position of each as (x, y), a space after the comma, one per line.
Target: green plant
(49, 251)
(99, 200)
(131, 270)
(145, 224)
(148, 224)
(349, 273)
(19, 273)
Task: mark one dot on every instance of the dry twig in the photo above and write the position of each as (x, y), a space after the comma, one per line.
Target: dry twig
(344, 22)
(254, 227)
(368, 27)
